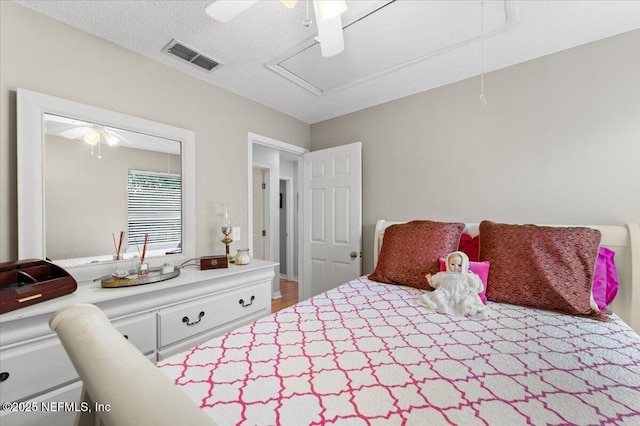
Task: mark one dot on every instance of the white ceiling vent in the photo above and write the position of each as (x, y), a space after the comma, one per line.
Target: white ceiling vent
(190, 55)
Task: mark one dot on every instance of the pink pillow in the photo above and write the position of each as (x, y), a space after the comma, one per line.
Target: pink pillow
(479, 268)
(541, 266)
(411, 250)
(605, 279)
(470, 246)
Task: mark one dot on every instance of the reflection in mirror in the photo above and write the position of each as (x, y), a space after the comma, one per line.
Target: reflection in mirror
(122, 185)
(87, 174)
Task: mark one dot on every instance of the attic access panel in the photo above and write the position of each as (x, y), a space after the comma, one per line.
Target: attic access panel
(393, 36)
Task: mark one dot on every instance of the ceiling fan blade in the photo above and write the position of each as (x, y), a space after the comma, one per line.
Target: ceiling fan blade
(330, 8)
(74, 133)
(116, 133)
(330, 34)
(226, 10)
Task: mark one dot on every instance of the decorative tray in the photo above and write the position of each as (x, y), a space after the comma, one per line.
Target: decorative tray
(132, 278)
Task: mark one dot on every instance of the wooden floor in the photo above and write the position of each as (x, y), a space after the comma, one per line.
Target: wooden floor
(289, 291)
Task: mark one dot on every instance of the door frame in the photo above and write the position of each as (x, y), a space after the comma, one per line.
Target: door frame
(288, 182)
(274, 255)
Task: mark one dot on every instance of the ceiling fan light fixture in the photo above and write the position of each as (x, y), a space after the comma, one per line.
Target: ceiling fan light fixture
(329, 9)
(289, 3)
(92, 137)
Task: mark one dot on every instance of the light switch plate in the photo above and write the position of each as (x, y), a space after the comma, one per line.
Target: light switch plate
(235, 233)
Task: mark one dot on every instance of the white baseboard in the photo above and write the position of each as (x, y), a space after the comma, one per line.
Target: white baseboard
(276, 295)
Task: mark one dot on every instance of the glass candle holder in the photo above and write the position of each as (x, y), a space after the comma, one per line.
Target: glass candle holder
(143, 268)
(243, 257)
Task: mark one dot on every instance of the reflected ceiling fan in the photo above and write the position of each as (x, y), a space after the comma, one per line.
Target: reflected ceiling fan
(328, 18)
(92, 134)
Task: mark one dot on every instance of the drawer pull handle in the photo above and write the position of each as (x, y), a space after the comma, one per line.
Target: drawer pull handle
(4, 376)
(244, 305)
(186, 319)
(126, 336)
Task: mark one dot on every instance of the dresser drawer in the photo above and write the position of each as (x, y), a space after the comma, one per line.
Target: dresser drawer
(34, 368)
(139, 330)
(202, 315)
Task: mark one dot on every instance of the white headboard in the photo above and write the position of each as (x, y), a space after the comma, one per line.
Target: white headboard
(623, 240)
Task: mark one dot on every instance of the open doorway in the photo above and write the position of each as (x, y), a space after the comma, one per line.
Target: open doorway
(278, 161)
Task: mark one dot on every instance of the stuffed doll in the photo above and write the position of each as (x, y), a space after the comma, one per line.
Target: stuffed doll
(456, 289)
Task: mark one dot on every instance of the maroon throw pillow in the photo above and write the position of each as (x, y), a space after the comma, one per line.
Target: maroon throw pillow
(413, 249)
(470, 246)
(541, 266)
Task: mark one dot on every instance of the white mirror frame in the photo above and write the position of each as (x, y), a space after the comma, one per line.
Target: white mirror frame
(31, 107)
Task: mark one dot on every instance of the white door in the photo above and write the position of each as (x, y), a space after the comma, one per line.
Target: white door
(259, 222)
(332, 234)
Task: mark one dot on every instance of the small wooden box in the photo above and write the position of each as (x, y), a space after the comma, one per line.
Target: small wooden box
(214, 262)
(27, 282)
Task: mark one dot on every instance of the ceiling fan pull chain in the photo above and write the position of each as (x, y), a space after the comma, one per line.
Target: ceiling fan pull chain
(483, 101)
(307, 21)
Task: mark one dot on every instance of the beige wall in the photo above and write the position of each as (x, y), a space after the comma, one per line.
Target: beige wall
(44, 55)
(558, 142)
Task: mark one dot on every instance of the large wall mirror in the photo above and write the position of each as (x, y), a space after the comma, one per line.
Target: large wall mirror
(93, 184)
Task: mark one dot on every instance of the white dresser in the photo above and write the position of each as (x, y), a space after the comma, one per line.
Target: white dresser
(160, 319)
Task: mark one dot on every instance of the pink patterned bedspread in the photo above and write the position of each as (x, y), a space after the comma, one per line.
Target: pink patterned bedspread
(367, 353)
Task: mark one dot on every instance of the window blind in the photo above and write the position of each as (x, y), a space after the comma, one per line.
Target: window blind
(154, 205)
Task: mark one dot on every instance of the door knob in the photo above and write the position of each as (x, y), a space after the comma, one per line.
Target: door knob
(353, 255)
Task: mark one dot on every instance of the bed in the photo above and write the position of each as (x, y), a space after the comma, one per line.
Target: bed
(366, 352)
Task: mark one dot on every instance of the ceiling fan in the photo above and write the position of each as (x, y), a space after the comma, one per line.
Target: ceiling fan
(92, 134)
(76, 129)
(328, 17)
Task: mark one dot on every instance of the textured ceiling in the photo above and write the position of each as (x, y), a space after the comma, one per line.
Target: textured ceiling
(268, 32)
